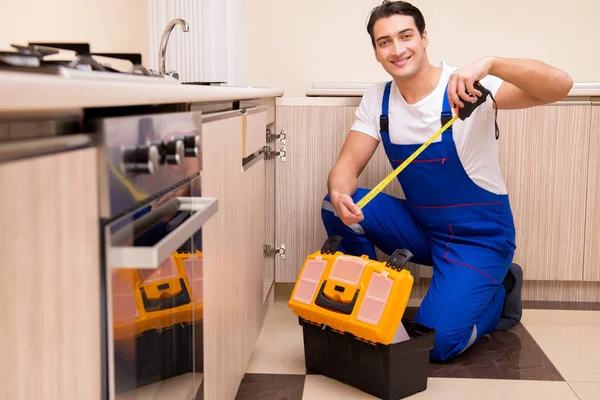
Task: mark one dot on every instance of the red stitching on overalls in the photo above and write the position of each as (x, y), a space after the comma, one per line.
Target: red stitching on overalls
(463, 264)
(442, 160)
(456, 205)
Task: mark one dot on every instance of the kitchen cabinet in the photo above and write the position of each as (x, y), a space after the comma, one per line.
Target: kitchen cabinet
(591, 268)
(543, 156)
(50, 338)
(233, 253)
(315, 136)
(544, 159)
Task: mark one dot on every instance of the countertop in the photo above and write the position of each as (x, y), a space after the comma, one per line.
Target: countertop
(30, 92)
(334, 89)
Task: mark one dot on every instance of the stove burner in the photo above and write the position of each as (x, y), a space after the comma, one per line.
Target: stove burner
(31, 58)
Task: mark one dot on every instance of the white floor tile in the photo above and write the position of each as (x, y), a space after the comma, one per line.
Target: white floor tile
(320, 387)
(560, 317)
(586, 390)
(280, 346)
(571, 343)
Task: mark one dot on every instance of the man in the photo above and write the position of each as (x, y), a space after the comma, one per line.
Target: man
(456, 216)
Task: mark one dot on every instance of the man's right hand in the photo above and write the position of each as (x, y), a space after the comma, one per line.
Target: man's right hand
(345, 208)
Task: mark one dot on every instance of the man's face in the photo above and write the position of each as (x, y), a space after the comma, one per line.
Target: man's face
(398, 46)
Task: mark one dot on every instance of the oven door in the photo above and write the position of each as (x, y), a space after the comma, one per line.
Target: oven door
(154, 296)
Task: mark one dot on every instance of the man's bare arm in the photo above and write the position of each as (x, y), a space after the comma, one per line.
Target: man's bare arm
(343, 178)
(527, 83)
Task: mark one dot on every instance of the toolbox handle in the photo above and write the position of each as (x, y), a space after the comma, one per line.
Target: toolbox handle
(164, 304)
(325, 302)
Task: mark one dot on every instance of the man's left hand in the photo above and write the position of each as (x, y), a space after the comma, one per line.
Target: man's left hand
(461, 85)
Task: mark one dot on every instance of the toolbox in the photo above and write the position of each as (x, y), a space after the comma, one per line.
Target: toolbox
(147, 299)
(353, 294)
(158, 321)
(351, 310)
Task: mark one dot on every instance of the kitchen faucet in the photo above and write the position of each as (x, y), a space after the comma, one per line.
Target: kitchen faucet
(163, 46)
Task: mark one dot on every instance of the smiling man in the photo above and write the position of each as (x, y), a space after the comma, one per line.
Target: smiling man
(457, 216)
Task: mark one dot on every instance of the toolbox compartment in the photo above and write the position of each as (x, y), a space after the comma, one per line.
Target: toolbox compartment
(392, 371)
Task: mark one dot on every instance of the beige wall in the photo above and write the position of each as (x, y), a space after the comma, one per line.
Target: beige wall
(291, 44)
(108, 25)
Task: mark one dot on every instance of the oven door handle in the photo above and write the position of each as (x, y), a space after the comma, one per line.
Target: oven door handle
(202, 208)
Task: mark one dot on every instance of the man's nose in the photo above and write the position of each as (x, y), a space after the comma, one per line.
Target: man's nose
(397, 47)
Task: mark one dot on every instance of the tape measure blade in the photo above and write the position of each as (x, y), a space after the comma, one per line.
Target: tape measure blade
(386, 181)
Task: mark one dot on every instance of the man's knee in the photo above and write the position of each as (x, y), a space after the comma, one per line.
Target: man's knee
(329, 217)
(333, 224)
(450, 342)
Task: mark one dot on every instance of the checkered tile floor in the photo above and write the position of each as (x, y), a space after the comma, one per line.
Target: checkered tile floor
(554, 354)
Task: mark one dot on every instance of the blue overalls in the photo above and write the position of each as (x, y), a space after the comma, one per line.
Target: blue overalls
(447, 221)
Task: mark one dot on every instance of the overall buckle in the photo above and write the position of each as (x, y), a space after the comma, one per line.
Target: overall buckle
(384, 123)
(446, 117)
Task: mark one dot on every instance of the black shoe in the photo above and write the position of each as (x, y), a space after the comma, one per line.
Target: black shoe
(513, 308)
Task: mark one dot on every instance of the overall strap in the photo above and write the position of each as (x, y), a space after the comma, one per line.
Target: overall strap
(384, 126)
(446, 116)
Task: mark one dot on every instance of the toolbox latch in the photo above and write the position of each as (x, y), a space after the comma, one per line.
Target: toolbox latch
(399, 259)
(331, 244)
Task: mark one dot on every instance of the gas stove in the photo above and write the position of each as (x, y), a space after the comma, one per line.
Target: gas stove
(39, 58)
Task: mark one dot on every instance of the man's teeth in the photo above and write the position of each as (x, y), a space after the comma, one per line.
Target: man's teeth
(401, 62)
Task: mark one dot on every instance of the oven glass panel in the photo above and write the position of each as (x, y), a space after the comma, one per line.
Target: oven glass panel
(157, 316)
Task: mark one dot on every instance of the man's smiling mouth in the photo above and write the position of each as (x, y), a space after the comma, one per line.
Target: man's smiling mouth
(401, 61)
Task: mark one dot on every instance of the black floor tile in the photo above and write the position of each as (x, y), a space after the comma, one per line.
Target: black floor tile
(271, 387)
(499, 355)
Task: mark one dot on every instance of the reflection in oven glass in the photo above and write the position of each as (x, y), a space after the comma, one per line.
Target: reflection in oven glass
(157, 327)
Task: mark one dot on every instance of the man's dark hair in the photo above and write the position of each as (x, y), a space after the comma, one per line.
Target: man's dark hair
(389, 8)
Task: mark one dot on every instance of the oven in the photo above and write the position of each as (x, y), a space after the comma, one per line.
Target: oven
(152, 213)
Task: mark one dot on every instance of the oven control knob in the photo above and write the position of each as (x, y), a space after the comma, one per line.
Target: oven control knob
(174, 152)
(141, 160)
(191, 145)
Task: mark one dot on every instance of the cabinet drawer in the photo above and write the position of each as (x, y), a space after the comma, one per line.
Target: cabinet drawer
(254, 135)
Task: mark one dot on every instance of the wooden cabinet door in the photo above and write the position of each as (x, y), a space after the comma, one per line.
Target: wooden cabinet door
(50, 282)
(254, 231)
(591, 268)
(223, 259)
(315, 135)
(232, 249)
(544, 159)
(259, 194)
(270, 216)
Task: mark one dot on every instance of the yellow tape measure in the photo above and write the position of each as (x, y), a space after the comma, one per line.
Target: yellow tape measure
(377, 189)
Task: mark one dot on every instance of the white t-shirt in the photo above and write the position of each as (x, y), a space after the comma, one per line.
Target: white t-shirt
(475, 137)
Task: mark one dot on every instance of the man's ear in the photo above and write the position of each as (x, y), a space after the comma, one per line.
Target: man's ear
(424, 39)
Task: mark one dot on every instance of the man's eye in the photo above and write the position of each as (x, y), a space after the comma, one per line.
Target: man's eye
(407, 37)
(383, 43)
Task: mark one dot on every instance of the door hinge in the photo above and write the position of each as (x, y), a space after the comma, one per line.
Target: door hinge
(272, 138)
(270, 154)
(270, 251)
